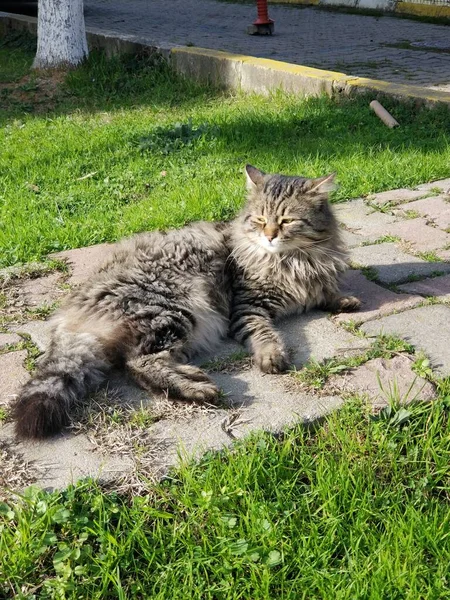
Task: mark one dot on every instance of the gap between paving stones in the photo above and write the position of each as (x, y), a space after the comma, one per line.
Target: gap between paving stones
(392, 248)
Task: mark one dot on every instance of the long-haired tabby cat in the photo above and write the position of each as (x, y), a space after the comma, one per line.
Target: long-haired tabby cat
(164, 296)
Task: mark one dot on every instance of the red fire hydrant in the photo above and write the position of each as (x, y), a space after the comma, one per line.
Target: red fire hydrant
(263, 25)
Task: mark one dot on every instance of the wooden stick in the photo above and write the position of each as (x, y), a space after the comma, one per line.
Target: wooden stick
(383, 114)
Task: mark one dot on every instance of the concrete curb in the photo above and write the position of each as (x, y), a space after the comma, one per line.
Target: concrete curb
(261, 75)
(241, 72)
(396, 7)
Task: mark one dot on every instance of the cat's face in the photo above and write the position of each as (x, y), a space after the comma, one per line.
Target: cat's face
(284, 213)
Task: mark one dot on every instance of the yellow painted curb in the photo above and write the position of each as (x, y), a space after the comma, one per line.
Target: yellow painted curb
(248, 73)
(436, 11)
(304, 2)
(400, 90)
(268, 63)
(423, 10)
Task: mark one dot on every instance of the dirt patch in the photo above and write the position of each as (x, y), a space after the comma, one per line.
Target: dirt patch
(116, 426)
(15, 472)
(37, 91)
(29, 298)
(383, 380)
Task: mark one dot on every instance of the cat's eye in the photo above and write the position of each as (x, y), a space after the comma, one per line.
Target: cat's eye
(286, 221)
(261, 220)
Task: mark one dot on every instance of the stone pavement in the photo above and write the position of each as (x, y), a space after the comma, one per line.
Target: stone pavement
(399, 243)
(387, 48)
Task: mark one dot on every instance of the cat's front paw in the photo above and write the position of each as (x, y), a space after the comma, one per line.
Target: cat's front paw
(348, 304)
(272, 360)
(343, 304)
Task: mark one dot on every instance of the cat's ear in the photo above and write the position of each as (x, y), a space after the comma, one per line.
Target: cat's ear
(323, 185)
(255, 177)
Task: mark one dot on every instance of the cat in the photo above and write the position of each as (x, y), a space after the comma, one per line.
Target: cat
(164, 296)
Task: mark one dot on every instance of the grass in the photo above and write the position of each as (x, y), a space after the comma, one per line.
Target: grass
(315, 374)
(356, 507)
(32, 350)
(125, 145)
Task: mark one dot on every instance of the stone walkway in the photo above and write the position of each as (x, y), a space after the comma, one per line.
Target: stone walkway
(387, 48)
(399, 244)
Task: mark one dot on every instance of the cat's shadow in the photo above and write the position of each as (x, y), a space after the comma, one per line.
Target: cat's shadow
(230, 366)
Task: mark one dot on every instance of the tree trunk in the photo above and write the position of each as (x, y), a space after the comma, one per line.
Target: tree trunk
(61, 34)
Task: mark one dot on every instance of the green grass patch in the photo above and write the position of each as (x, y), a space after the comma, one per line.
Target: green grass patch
(355, 507)
(315, 374)
(16, 56)
(123, 145)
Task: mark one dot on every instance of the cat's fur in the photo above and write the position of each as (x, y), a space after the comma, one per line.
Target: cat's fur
(166, 295)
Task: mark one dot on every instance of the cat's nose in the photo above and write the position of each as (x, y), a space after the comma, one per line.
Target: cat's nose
(270, 232)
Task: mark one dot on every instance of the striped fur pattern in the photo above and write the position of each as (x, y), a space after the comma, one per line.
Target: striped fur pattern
(164, 296)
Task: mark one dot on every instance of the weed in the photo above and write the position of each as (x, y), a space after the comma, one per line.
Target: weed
(369, 272)
(411, 214)
(382, 240)
(315, 374)
(422, 367)
(233, 361)
(430, 256)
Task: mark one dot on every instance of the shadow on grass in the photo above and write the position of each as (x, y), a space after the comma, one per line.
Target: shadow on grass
(100, 84)
(322, 127)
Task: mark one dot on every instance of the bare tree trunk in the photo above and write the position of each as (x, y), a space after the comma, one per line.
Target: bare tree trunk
(61, 34)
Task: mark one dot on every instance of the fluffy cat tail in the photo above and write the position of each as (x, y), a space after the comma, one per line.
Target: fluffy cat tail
(74, 365)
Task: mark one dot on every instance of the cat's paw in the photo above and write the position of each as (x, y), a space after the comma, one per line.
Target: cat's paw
(343, 304)
(272, 360)
(205, 391)
(348, 304)
(191, 383)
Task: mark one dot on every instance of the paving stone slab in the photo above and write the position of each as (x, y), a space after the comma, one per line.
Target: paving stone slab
(326, 41)
(426, 328)
(383, 380)
(435, 286)
(436, 208)
(421, 236)
(396, 196)
(442, 184)
(271, 402)
(351, 239)
(315, 337)
(65, 459)
(12, 375)
(256, 401)
(39, 332)
(9, 339)
(444, 255)
(84, 262)
(392, 265)
(34, 292)
(363, 220)
(376, 301)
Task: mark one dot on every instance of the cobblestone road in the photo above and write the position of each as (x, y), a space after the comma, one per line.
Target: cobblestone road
(386, 47)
